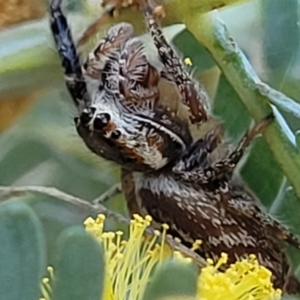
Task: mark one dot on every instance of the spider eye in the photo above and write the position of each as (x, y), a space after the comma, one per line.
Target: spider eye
(116, 134)
(101, 120)
(87, 115)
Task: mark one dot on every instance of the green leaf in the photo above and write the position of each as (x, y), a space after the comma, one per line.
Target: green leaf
(280, 100)
(284, 127)
(281, 38)
(298, 139)
(172, 31)
(200, 57)
(262, 173)
(12, 162)
(285, 209)
(172, 279)
(49, 166)
(21, 253)
(79, 268)
(229, 108)
(26, 55)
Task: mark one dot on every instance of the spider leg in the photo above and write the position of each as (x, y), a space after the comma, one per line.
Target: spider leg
(192, 95)
(107, 48)
(110, 193)
(139, 80)
(197, 155)
(68, 55)
(227, 165)
(242, 203)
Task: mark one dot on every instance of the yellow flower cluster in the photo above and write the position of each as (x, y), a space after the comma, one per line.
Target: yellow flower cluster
(244, 280)
(129, 265)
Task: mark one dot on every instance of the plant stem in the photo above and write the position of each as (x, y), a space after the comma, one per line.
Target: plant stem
(212, 33)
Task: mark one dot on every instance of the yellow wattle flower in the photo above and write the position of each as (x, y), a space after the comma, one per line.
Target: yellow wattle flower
(244, 280)
(129, 265)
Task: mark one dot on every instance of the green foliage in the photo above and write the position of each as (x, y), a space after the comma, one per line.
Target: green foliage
(280, 20)
(79, 268)
(255, 173)
(22, 252)
(172, 279)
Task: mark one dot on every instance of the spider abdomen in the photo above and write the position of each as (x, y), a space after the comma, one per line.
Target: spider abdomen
(198, 214)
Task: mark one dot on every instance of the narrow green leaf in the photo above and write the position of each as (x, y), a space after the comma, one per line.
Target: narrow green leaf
(79, 268)
(298, 139)
(12, 162)
(28, 57)
(285, 209)
(280, 100)
(21, 252)
(281, 40)
(262, 173)
(229, 108)
(28, 60)
(200, 57)
(172, 279)
(172, 31)
(284, 126)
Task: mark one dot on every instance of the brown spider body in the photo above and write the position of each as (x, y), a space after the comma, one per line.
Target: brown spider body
(199, 214)
(138, 114)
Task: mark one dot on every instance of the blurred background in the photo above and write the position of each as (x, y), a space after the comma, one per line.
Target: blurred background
(38, 141)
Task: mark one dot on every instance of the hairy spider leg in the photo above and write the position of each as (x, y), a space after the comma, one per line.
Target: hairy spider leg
(263, 219)
(192, 95)
(107, 49)
(227, 165)
(139, 80)
(197, 154)
(75, 80)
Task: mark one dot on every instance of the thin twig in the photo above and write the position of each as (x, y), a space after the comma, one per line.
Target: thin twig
(9, 192)
(111, 192)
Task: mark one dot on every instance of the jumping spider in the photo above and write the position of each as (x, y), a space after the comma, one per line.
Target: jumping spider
(179, 180)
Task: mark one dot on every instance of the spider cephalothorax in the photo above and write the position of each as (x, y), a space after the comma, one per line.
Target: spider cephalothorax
(125, 116)
(120, 115)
